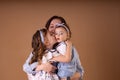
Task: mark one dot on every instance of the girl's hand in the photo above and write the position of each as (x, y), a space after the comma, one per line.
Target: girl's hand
(68, 43)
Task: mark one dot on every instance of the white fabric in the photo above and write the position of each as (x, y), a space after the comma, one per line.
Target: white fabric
(42, 75)
(61, 48)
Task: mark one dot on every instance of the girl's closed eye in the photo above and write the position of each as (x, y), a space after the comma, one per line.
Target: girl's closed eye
(61, 33)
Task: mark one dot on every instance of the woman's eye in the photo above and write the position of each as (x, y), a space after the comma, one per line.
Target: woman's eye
(56, 33)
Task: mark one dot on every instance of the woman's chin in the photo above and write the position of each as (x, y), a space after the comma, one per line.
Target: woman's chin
(58, 41)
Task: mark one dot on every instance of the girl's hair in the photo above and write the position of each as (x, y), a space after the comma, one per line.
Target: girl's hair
(62, 21)
(38, 45)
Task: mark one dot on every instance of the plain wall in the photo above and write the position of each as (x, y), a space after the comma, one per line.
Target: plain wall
(95, 27)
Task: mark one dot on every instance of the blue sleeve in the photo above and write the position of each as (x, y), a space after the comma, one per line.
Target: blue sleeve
(28, 68)
(79, 67)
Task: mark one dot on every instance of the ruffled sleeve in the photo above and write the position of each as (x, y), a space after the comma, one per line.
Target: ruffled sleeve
(61, 48)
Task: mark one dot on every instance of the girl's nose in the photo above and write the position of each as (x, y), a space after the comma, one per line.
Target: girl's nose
(58, 35)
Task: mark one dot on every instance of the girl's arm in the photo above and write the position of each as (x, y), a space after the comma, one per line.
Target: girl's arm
(67, 55)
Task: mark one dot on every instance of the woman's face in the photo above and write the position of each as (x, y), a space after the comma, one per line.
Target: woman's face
(52, 25)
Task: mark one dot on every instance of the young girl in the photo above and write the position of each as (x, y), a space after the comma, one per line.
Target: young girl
(68, 64)
(38, 56)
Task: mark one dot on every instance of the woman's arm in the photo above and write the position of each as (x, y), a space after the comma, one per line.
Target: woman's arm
(32, 68)
(27, 67)
(67, 55)
(78, 62)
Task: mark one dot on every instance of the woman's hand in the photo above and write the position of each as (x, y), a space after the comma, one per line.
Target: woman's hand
(48, 67)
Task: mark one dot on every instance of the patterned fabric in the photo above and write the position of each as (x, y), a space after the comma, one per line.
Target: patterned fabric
(42, 76)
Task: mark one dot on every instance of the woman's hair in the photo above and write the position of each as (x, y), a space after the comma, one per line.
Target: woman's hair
(38, 45)
(61, 19)
(52, 18)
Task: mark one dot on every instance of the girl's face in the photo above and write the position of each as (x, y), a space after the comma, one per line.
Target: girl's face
(49, 40)
(61, 34)
(52, 27)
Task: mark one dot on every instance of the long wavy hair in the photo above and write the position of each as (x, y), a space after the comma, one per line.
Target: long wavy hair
(38, 45)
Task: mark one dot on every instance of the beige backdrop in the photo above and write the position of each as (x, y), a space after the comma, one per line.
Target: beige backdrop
(95, 33)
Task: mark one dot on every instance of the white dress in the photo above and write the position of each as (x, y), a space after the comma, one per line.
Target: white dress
(42, 75)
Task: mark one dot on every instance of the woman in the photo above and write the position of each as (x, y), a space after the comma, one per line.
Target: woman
(50, 26)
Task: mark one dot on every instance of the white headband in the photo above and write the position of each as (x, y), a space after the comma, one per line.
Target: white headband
(62, 25)
(41, 36)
